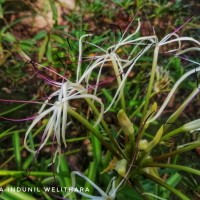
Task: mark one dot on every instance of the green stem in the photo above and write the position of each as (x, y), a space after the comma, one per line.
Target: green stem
(105, 126)
(72, 152)
(173, 166)
(117, 73)
(13, 109)
(7, 132)
(147, 99)
(176, 114)
(7, 161)
(140, 106)
(17, 149)
(178, 151)
(107, 95)
(151, 81)
(137, 110)
(14, 173)
(165, 185)
(92, 169)
(138, 3)
(96, 150)
(172, 133)
(94, 131)
(6, 182)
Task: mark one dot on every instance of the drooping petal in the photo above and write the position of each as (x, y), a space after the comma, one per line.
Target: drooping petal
(35, 121)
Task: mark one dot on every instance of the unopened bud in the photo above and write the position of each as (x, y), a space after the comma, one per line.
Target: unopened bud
(125, 123)
(121, 167)
(143, 144)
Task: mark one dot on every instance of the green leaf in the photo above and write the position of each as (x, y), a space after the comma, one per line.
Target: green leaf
(49, 51)
(40, 35)
(42, 49)
(155, 140)
(58, 39)
(54, 10)
(26, 45)
(172, 181)
(17, 151)
(1, 11)
(14, 195)
(64, 174)
(9, 37)
(129, 193)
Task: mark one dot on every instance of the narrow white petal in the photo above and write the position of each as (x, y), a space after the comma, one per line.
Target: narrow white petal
(73, 173)
(35, 121)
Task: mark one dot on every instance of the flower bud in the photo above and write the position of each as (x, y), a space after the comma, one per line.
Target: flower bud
(155, 140)
(143, 144)
(121, 167)
(153, 171)
(125, 123)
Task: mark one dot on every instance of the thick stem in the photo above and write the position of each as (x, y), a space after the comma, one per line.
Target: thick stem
(117, 73)
(147, 99)
(105, 126)
(172, 133)
(94, 131)
(151, 81)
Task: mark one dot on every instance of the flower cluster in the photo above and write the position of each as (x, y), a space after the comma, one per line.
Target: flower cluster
(57, 104)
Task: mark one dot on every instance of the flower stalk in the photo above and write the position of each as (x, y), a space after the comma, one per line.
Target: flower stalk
(94, 131)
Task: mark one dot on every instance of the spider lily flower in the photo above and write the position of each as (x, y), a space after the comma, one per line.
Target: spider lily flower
(110, 193)
(57, 123)
(57, 107)
(122, 67)
(153, 40)
(119, 64)
(178, 39)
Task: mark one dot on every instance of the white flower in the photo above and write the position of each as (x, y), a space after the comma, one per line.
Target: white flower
(119, 64)
(57, 122)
